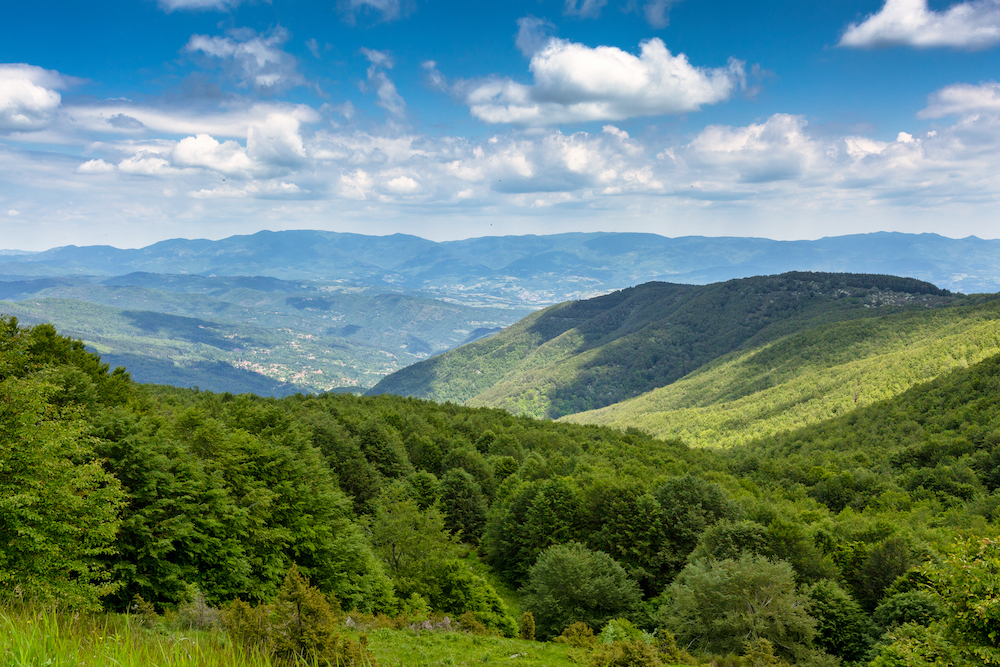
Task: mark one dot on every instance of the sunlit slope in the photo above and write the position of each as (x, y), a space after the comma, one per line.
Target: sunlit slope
(809, 376)
(584, 355)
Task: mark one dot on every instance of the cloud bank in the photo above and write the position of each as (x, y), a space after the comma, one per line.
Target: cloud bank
(966, 25)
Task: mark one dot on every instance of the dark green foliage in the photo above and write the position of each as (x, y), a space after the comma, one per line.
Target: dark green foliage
(463, 504)
(302, 627)
(425, 488)
(689, 505)
(921, 607)
(842, 628)
(571, 583)
(536, 516)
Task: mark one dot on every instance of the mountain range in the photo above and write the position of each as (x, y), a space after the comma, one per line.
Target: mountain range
(321, 311)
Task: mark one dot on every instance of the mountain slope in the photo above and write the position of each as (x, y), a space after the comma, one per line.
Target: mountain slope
(589, 354)
(810, 376)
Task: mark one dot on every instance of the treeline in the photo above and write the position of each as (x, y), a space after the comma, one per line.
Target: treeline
(112, 492)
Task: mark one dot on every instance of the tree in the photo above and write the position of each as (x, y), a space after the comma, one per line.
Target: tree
(464, 505)
(571, 583)
(59, 509)
(719, 605)
(412, 543)
(842, 627)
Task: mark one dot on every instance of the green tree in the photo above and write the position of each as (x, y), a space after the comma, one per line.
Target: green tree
(571, 583)
(719, 605)
(59, 509)
(464, 505)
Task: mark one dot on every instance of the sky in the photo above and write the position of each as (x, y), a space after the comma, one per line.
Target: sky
(126, 122)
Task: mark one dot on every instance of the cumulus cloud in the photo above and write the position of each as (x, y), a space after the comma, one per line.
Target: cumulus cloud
(219, 5)
(28, 97)
(254, 60)
(227, 157)
(962, 99)
(575, 83)
(965, 25)
(95, 167)
(385, 90)
(384, 10)
(778, 149)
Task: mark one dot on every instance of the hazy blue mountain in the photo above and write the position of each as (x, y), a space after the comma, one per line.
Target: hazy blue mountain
(529, 270)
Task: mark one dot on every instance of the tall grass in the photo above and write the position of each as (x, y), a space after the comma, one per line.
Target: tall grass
(31, 636)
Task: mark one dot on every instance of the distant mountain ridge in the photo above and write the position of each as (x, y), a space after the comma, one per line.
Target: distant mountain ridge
(529, 270)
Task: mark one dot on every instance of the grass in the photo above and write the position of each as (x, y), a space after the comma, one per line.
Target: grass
(411, 648)
(32, 637)
(37, 637)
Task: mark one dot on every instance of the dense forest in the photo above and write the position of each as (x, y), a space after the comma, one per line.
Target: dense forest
(862, 539)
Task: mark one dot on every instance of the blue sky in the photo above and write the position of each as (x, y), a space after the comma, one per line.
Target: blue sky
(127, 122)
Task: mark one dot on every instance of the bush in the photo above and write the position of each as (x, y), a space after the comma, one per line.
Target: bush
(632, 653)
(622, 630)
(911, 607)
(571, 583)
(577, 635)
(717, 606)
(527, 626)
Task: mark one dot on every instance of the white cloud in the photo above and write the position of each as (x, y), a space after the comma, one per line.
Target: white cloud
(657, 12)
(235, 122)
(587, 9)
(219, 5)
(386, 10)
(28, 99)
(962, 99)
(385, 90)
(965, 25)
(95, 167)
(533, 34)
(402, 185)
(203, 151)
(355, 185)
(13, 213)
(575, 83)
(254, 60)
(144, 164)
(776, 150)
(276, 141)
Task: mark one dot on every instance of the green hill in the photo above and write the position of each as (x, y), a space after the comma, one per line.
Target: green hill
(809, 376)
(585, 355)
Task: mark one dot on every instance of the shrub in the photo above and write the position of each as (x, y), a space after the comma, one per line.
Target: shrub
(527, 626)
(571, 583)
(577, 635)
(632, 653)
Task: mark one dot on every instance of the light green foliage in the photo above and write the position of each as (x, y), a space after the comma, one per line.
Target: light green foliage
(808, 376)
(968, 582)
(628, 653)
(571, 583)
(411, 542)
(623, 630)
(59, 508)
(718, 606)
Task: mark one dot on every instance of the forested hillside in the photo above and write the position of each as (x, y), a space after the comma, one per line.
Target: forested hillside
(837, 541)
(589, 354)
(810, 376)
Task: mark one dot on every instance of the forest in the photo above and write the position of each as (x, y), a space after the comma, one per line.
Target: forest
(329, 529)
